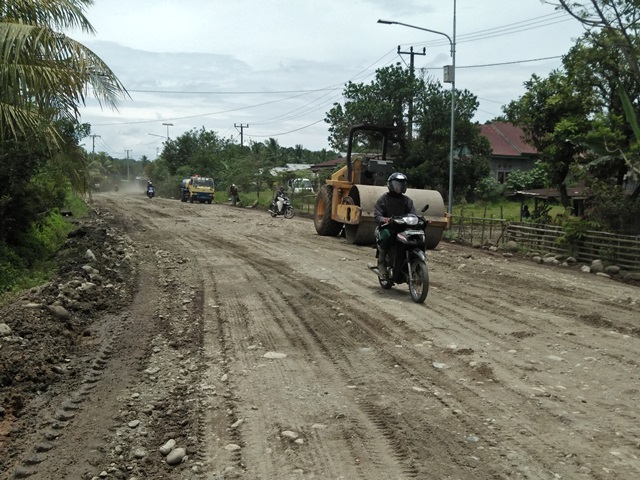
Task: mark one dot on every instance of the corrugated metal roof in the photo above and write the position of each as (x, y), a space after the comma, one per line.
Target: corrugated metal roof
(329, 163)
(506, 140)
(553, 193)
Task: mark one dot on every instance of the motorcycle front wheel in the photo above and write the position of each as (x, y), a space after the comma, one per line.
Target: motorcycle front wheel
(419, 282)
(289, 213)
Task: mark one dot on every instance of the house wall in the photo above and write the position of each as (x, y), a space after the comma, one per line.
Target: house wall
(502, 166)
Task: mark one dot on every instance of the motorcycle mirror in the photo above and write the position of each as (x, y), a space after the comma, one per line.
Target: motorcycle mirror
(425, 208)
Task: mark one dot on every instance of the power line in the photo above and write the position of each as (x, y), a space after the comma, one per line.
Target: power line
(509, 29)
(497, 64)
(290, 131)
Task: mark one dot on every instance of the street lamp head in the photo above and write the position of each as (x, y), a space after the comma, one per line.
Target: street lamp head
(451, 42)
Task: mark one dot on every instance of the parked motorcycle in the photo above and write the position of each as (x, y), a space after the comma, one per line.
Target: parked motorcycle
(151, 191)
(406, 259)
(287, 209)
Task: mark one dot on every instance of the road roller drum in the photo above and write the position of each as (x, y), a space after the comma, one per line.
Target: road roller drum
(347, 201)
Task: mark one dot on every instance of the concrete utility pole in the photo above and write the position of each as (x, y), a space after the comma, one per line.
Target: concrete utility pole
(128, 163)
(241, 127)
(93, 138)
(410, 119)
(168, 125)
(449, 77)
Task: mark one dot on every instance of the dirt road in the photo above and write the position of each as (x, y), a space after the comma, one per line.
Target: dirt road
(268, 352)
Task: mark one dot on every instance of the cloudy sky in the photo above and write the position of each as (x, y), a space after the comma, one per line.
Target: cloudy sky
(277, 66)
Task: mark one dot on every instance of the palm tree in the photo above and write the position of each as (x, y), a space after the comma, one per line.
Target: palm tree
(43, 73)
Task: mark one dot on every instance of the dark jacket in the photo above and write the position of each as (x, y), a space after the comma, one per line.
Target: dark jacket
(390, 206)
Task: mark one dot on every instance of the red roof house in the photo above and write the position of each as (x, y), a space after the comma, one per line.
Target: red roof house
(510, 152)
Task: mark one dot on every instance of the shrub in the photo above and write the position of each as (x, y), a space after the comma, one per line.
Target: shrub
(613, 209)
(489, 190)
(28, 262)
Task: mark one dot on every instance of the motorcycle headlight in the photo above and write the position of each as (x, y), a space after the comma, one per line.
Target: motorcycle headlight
(410, 220)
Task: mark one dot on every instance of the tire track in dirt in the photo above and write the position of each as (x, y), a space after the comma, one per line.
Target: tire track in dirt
(274, 315)
(520, 430)
(453, 313)
(389, 432)
(335, 352)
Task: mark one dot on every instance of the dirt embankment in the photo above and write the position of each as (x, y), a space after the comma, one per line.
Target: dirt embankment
(205, 341)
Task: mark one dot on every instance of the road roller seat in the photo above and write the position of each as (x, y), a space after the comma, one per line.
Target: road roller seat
(375, 171)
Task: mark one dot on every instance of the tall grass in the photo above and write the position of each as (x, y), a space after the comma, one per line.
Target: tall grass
(31, 262)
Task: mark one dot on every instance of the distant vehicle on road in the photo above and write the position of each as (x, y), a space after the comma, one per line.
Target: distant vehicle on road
(197, 189)
(302, 185)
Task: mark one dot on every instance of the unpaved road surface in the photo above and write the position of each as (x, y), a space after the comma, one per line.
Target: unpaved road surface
(268, 352)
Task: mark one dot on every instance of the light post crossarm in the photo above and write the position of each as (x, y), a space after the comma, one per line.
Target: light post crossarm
(168, 125)
(391, 22)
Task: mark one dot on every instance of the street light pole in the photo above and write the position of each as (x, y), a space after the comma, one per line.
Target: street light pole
(168, 125)
(450, 77)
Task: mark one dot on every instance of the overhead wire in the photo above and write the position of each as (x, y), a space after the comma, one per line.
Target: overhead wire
(516, 27)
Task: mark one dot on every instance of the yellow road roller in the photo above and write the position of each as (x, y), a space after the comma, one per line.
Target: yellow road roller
(348, 198)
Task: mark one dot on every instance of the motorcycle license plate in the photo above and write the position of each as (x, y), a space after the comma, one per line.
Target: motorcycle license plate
(413, 232)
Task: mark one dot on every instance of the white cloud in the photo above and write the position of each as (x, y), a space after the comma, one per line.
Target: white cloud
(230, 51)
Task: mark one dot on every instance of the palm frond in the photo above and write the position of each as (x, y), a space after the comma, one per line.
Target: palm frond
(56, 14)
(45, 75)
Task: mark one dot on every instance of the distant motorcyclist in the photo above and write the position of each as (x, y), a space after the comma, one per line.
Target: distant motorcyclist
(280, 196)
(390, 204)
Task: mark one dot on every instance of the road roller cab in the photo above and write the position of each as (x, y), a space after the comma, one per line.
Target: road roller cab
(348, 198)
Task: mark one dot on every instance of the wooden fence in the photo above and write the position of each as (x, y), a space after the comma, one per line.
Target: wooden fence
(478, 230)
(621, 250)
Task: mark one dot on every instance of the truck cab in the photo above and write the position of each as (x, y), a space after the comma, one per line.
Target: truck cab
(302, 185)
(197, 189)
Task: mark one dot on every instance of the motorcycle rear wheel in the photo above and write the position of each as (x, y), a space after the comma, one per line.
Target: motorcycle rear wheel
(419, 283)
(289, 213)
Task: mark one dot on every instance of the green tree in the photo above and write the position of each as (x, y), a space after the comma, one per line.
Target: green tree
(101, 168)
(428, 159)
(200, 151)
(610, 49)
(384, 101)
(553, 113)
(619, 18)
(43, 72)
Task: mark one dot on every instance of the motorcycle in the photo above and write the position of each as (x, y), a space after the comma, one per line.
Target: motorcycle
(151, 191)
(287, 209)
(406, 259)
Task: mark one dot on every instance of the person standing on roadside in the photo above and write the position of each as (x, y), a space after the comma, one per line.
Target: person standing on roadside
(233, 193)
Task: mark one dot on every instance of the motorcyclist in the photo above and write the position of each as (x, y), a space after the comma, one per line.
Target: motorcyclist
(280, 196)
(390, 204)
